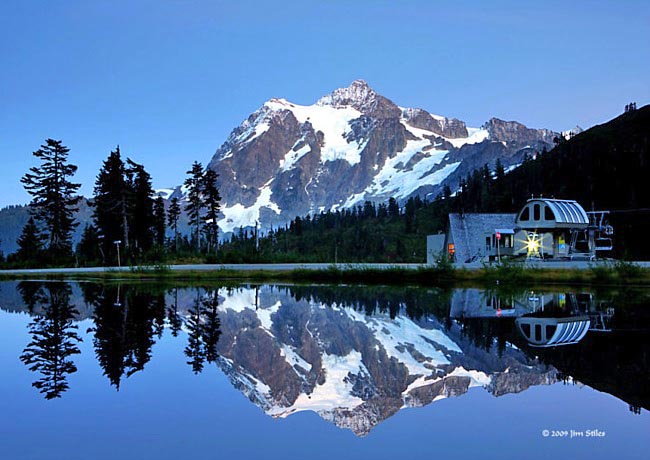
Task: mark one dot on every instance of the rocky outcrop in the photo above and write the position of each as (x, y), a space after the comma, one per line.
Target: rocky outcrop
(516, 134)
(450, 128)
(363, 98)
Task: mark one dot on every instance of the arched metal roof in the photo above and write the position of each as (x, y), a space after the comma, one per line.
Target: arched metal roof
(566, 331)
(570, 332)
(565, 211)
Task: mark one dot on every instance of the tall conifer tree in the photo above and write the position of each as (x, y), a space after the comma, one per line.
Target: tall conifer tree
(54, 199)
(173, 215)
(212, 203)
(112, 204)
(160, 221)
(194, 206)
(30, 243)
(142, 225)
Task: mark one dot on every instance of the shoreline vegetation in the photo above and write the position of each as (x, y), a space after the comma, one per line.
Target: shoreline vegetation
(442, 274)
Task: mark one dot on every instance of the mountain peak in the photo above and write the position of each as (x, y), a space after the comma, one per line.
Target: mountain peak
(360, 96)
(358, 92)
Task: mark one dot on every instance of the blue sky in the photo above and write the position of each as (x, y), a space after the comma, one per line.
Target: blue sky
(169, 79)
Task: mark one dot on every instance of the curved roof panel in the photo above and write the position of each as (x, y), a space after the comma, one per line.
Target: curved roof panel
(565, 211)
(565, 331)
(569, 332)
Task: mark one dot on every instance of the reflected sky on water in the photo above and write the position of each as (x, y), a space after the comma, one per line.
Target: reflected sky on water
(150, 371)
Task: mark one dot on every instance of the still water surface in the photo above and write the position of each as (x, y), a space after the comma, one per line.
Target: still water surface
(94, 371)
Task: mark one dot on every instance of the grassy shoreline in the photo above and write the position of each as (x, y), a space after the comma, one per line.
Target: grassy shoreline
(620, 274)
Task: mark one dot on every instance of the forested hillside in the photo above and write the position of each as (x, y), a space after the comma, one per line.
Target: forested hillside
(605, 167)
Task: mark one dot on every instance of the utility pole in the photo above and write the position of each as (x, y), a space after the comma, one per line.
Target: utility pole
(498, 247)
(117, 244)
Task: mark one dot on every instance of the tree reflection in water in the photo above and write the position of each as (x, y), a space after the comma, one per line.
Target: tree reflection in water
(204, 329)
(300, 330)
(54, 336)
(126, 321)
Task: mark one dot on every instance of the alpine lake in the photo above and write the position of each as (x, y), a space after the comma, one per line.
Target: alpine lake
(143, 370)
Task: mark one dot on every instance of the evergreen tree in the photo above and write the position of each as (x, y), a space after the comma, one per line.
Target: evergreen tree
(499, 171)
(393, 207)
(212, 202)
(194, 207)
(173, 214)
(53, 197)
(212, 325)
(195, 350)
(174, 318)
(160, 221)
(54, 340)
(30, 243)
(112, 205)
(142, 217)
(446, 192)
(125, 322)
(32, 293)
(89, 248)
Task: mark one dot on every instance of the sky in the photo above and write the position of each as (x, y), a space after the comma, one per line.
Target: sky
(168, 80)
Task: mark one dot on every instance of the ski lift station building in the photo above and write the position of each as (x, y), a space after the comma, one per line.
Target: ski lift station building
(544, 228)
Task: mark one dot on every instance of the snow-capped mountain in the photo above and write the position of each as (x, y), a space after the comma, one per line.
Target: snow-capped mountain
(290, 354)
(350, 146)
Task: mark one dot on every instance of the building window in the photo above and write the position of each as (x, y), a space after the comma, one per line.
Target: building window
(488, 244)
(525, 214)
(548, 213)
(550, 330)
(536, 212)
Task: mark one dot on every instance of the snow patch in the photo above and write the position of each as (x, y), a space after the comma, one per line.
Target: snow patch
(333, 122)
(399, 180)
(293, 358)
(237, 300)
(475, 136)
(239, 216)
(264, 315)
(165, 193)
(291, 158)
(335, 392)
(478, 378)
(401, 334)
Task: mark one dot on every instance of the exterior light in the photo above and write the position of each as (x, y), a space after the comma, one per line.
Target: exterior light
(532, 245)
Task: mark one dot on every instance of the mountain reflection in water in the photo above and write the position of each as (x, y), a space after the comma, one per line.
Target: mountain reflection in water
(355, 356)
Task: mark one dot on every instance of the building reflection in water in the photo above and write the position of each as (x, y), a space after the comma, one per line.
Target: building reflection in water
(354, 355)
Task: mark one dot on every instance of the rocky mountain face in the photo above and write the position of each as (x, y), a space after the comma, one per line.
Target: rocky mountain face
(350, 146)
(289, 354)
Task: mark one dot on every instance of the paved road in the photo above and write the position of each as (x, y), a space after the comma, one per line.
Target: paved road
(580, 265)
(207, 267)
